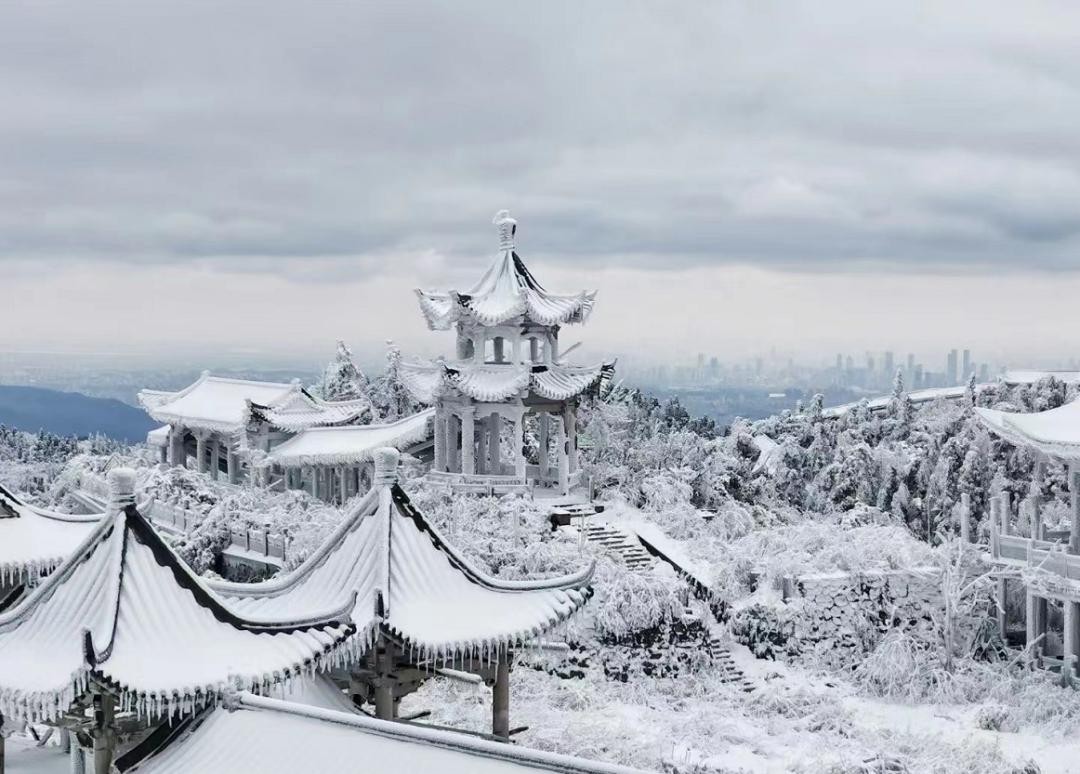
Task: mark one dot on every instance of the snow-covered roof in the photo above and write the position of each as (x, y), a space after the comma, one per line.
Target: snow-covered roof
(225, 404)
(271, 736)
(159, 436)
(426, 381)
(507, 291)
(35, 540)
(1055, 433)
(408, 579)
(125, 610)
(1031, 377)
(350, 445)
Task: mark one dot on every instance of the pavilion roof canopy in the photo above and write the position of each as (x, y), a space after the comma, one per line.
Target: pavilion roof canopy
(506, 292)
(124, 610)
(226, 405)
(350, 445)
(488, 382)
(1054, 433)
(34, 541)
(272, 736)
(408, 579)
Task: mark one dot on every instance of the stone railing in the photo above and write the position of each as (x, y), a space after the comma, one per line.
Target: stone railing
(482, 484)
(1052, 557)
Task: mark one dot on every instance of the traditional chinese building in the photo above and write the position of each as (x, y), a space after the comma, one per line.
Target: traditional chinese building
(1043, 563)
(508, 373)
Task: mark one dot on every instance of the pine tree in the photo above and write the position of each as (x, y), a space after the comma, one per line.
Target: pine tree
(342, 379)
(389, 395)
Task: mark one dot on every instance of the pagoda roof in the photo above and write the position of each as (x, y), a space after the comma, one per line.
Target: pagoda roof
(1054, 433)
(405, 577)
(224, 404)
(497, 382)
(124, 611)
(506, 292)
(271, 736)
(351, 444)
(35, 541)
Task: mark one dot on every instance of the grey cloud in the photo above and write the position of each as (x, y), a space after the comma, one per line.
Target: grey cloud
(264, 137)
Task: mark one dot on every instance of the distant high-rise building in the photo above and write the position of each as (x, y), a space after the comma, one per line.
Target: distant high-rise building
(890, 367)
(951, 376)
(917, 380)
(869, 363)
(910, 364)
(839, 362)
(984, 372)
(967, 365)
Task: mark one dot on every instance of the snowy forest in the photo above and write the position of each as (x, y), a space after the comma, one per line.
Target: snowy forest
(719, 660)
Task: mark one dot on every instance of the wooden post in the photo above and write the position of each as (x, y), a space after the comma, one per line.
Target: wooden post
(965, 518)
(103, 734)
(500, 699)
(384, 681)
(999, 598)
(77, 760)
(571, 435)
(1074, 494)
(1031, 611)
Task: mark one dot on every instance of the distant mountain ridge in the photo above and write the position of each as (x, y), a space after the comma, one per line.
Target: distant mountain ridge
(71, 413)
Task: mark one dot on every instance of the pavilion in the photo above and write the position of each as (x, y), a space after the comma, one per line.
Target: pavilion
(34, 542)
(259, 735)
(125, 628)
(422, 604)
(225, 423)
(508, 370)
(1048, 561)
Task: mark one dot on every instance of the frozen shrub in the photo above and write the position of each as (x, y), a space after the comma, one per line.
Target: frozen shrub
(762, 628)
(992, 717)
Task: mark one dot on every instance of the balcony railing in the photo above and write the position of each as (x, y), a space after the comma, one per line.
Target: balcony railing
(1053, 557)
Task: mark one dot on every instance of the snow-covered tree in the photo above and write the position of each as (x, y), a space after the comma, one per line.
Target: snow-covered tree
(342, 379)
(389, 396)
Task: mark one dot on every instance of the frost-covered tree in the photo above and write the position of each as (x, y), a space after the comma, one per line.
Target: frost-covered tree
(342, 379)
(389, 396)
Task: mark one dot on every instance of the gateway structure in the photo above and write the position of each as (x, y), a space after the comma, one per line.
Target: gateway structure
(508, 372)
(1045, 562)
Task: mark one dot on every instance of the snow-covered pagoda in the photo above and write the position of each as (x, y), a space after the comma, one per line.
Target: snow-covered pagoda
(124, 627)
(508, 371)
(1047, 562)
(34, 542)
(418, 604)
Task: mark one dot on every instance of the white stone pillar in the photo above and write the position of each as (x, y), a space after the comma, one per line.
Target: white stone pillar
(1031, 611)
(499, 346)
(534, 349)
(440, 441)
(233, 465)
(200, 451)
(494, 443)
(543, 432)
(1072, 634)
(453, 453)
(468, 440)
(517, 348)
(570, 411)
(1006, 512)
(1074, 493)
(564, 456)
(519, 445)
(215, 457)
(1036, 499)
(177, 454)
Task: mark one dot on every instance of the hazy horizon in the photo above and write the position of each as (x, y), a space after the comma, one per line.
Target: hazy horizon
(731, 178)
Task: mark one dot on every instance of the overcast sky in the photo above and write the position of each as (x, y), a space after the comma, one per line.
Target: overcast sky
(731, 176)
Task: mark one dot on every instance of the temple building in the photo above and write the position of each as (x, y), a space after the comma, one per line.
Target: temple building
(34, 542)
(509, 372)
(1043, 564)
(275, 435)
(417, 604)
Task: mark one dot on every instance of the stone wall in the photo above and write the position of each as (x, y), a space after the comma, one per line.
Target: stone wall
(832, 615)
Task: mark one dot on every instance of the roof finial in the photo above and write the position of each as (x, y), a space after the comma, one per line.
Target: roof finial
(121, 488)
(386, 462)
(507, 227)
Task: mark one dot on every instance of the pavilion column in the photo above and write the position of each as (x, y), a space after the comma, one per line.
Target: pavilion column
(543, 431)
(384, 682)
(1036, 499)
(200, 451)
(468, 440)
(564, 457)
(440, 441)
(343, 483)
(77, 762)
(232, 463)
(519, 445)
(1072, 635)
(177, 455)
(1032, 624)
(570, 412)
(500, 699)
(1074, 494)
(103, 733)
(453, 453)
(494, 442)
(215, 457)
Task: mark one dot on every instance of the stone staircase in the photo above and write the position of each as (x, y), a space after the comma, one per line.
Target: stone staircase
(729, 670)
(621, 544)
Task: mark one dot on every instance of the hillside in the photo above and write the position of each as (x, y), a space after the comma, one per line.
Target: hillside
(70, 413)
